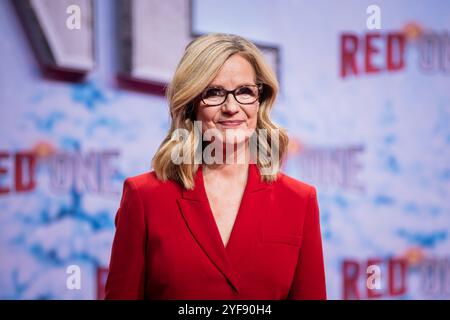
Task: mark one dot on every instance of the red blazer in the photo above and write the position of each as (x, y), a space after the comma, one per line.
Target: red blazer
(167, 244)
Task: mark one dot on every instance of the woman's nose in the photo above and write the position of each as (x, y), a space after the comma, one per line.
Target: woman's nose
(230, 105)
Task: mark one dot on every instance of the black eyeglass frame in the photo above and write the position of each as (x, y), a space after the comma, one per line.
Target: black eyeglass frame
(259, 86)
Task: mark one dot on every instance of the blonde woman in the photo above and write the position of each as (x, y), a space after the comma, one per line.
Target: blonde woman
(216, 219)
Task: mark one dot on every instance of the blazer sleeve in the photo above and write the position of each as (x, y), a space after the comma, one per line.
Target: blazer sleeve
(309, 277)
(126, 275)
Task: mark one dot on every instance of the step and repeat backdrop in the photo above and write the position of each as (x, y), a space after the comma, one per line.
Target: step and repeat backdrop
(365, 98)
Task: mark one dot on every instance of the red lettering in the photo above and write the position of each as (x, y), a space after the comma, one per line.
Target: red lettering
(3, 172)
(350, 274)
(373, 293)
(374, 43)
(397, 277)
(349, 48)
(370, 51)
(25, 165)
(395, 46)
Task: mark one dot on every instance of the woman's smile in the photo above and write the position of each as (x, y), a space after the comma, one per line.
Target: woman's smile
(230, 123)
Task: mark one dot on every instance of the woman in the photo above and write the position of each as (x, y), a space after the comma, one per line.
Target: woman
(204, 225)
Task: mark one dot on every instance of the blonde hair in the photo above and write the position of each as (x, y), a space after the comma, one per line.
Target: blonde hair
(200, 64)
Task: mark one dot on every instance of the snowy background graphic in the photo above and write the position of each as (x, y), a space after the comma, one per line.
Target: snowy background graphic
(376, 146)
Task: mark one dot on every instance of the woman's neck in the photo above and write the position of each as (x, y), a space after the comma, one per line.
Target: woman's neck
(234, 165)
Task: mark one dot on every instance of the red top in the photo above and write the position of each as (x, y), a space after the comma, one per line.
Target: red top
(167, 244)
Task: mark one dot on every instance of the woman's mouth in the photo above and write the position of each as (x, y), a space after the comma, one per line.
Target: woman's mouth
(231, 123)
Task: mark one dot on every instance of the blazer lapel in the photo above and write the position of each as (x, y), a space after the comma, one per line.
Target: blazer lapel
(194, 207)
(196, 211)
(256, 201)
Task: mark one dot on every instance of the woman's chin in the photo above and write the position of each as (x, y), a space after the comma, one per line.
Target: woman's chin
(238, 133)
(235, 137)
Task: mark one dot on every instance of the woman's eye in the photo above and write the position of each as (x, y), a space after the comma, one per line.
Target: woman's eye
(245, 91)
(213, 93)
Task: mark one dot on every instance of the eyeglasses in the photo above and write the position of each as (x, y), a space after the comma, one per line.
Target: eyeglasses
(248, 94)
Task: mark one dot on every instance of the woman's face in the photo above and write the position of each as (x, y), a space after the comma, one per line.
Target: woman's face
(231, 115)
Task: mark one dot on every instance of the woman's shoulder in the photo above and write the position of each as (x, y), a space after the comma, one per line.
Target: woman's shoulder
(148, 182)
(292, 186)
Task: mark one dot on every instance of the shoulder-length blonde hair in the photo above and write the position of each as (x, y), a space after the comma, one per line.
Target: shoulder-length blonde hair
(198, 67)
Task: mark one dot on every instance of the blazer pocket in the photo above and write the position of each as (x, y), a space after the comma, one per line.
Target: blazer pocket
(282, 238)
